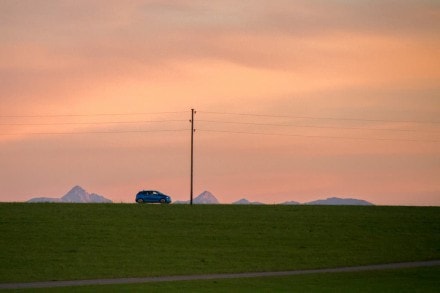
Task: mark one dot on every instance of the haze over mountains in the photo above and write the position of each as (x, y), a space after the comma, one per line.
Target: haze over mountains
(340, 201)
(207, 197)
(76, 195)
(79, 195)
(245, 201)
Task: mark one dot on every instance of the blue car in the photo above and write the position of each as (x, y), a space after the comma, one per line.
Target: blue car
(152, 196)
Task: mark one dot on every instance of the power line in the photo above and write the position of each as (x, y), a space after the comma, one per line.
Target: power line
(94, 132)
(212, 112)
(317, 136)
(320, 118)
(89, 123)
(90, 115)
(309, 126)
(211, 121)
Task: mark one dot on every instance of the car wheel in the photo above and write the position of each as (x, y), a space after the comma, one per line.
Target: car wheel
(140, 200)
(162, 200)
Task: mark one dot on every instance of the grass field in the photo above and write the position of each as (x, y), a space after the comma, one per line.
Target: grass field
(85, 241)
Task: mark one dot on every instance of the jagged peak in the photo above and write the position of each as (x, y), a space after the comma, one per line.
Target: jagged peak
(206, 193)
(77, 188)
(206, 197)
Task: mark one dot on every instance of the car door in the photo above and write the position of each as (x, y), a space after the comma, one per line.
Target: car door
(144, 196)
(155, 196)
(152, 197)
(147, 196)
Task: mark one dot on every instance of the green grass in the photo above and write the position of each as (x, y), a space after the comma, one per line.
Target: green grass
(86, 241)
(403, 280)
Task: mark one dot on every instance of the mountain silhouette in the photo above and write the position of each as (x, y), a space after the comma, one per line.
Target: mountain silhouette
(291, 202)
(245, 201)
(205, 197)
(76, 195)
(340, 201)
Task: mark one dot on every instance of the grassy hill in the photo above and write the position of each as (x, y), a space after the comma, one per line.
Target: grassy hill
(84, 241)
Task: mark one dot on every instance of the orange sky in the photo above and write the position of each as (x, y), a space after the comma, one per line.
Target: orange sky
(369, 64)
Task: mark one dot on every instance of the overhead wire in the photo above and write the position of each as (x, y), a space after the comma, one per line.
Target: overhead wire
(91, 115)
(400, 129)
(307, 126)
(89, 123)
(215, 121)
(217, 113)
(96, 132)
(316, 136)
(320, 118)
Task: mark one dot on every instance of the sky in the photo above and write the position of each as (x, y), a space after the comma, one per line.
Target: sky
(294, 100)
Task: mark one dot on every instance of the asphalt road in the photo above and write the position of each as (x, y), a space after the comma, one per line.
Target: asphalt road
(52, 284)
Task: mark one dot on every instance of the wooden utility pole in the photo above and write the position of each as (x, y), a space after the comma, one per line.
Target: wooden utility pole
(192, 155)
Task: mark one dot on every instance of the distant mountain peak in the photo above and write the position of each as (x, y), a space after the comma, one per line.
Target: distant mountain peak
(206, 194)
(206, 197)
(245, 201)
(241, 201)
(339, 201)
(75, 195)
(77, 188)
(291, 202)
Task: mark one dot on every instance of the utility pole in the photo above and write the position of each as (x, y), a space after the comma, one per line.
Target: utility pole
(192, 154)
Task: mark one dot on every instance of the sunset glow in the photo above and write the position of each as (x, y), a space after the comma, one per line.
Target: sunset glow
(295, 100)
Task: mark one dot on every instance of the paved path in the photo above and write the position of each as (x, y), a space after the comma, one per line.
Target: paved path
(52, 284)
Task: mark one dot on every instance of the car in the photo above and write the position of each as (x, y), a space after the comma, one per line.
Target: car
(152, 196)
